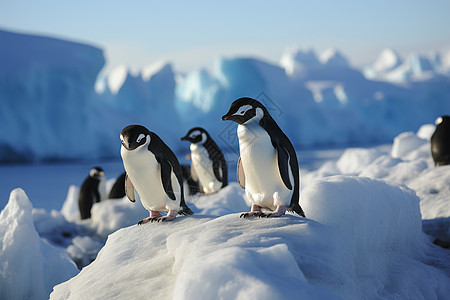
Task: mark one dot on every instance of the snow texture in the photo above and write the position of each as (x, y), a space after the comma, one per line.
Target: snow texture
(363, 241)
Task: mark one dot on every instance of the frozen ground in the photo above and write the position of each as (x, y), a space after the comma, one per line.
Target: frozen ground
(362, 238)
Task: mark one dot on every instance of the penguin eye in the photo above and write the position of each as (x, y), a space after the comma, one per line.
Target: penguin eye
(242, 110)
(193, 135)
(140, 137)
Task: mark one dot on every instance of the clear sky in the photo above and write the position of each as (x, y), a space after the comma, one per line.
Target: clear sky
(192, 33)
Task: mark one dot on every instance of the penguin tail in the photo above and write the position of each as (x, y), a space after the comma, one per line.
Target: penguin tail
(185, 211)
(297, 209)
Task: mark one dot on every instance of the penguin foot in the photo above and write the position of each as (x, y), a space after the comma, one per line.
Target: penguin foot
(146, 220)
(255, 212)
(154, 216)
(251, 214)
(170, 216)
(280, 211)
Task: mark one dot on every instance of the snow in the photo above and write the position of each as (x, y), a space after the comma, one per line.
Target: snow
(373, 213)
(362, 238)
(30, 266)
(347, 249)
(318, 99)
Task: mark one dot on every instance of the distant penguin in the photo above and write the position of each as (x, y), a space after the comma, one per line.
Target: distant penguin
(118, 188)
(440, 142)
(153, 169)
(91, 191)
(268, 167)
(191, 183)
(207, 161)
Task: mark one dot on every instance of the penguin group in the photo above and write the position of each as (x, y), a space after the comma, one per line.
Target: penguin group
(267, 168)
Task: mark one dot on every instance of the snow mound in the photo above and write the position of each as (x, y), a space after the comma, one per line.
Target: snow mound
(29, 266)
(363, 241)
(408, 162)
(405, 143)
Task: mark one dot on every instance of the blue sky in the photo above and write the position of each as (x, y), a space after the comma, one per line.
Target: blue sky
(192, 33)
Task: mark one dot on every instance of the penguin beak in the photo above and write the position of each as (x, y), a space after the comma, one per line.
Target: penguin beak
(184, 138)
(225, 117)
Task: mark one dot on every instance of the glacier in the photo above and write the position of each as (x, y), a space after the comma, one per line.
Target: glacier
(50, 108)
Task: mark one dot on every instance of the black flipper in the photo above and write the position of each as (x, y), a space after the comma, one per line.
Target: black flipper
(287, 158)
(283, 165)
(216, 169)
(129, 189)
(166, 178)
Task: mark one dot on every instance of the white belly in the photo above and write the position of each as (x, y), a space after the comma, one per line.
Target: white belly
(145, 174)
(204, 168)
(263, 183)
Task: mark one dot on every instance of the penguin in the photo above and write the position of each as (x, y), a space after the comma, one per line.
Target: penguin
(208, 163)
(154, 171)
(118, 189)
(440, 142)
(92, 190)
(268, 167)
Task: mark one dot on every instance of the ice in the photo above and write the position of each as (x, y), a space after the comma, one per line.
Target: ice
(30, 266)
(46, 86)
(363, 236)
(363, 240)
(316, 99)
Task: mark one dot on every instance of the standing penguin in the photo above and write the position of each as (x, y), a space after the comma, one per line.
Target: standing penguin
(440, 141)
(154, 170)
(92, 190)
(208, 163)
(268, 167)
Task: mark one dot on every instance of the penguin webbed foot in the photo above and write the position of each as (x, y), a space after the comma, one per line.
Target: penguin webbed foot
(252, 214)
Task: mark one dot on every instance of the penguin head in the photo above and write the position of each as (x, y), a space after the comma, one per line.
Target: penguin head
(244, 110)
(196, 135)
(97, 173)
(134, 136)
(444, 120)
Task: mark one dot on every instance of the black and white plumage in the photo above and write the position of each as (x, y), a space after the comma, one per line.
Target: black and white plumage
(154, 171)
(92, 190)
(440, 141)
(208, 164)
(267, 168)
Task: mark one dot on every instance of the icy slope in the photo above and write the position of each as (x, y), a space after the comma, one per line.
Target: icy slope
(363, 240)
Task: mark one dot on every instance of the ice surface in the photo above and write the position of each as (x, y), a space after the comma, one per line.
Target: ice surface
(30, 266)
(363, 241)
